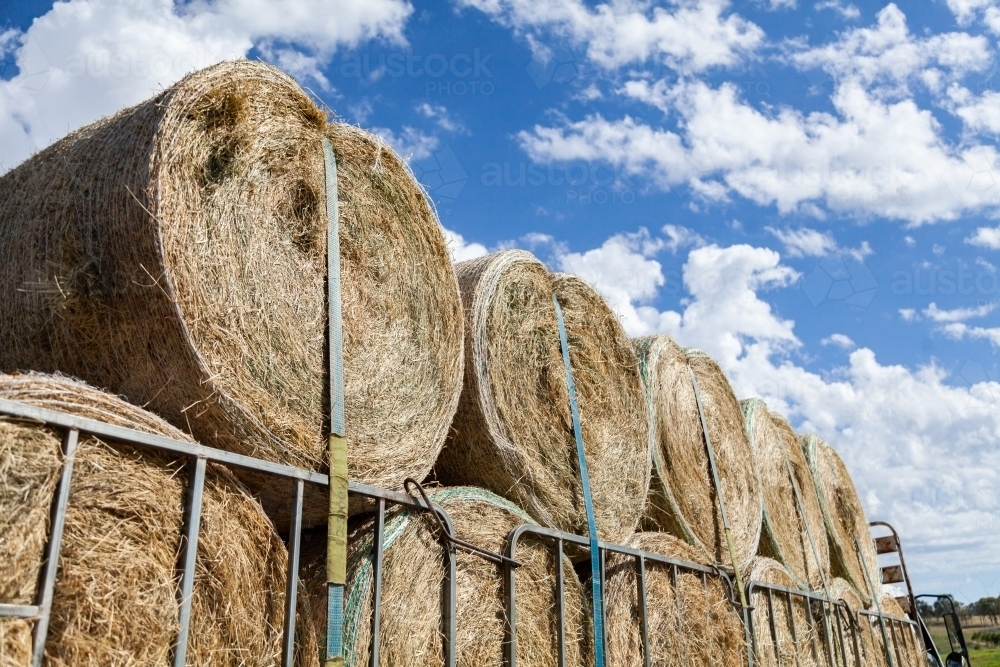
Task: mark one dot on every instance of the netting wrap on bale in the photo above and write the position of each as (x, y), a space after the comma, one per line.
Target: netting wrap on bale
(844, 518)
(513, 433)
(116, 596)
(691, 623)
(682, 498)
(797, 634)
(175, 253)
(414, 568)
(794, 532)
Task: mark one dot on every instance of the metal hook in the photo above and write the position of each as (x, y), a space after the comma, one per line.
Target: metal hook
(452, 540)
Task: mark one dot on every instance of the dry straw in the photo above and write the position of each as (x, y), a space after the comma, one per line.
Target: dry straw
(806, 646)
(905, 645)
(682, 498)
(842, 591)
(116, 594)
(843, 516)
(791, 516)
(513, 434)
(175, 253)
(412, 576)
(694, 623)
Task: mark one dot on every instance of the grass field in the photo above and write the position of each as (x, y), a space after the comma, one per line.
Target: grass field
(979, 655)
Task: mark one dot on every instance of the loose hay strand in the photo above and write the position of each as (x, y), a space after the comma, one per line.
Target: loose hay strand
(683, 500)
(513, 432)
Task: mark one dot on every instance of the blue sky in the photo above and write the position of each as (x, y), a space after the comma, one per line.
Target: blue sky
(804, 189)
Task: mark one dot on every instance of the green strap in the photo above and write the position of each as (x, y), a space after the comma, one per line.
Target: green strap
(588, 501)
(336, 547)
(718, 492)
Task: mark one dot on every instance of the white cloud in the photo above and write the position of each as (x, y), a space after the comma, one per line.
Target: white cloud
(978, 113)
(986, 237)
(461, 249)
(805, 242)
(439, 114)
(966, 11)
(959, 330)
(886, 56)
(692, 35)
(873, 158)
(679, 237)
(848, 11)
(411, 144)
(909, 241)
(89, 58)
(893, 425)
(623, 271)
(908, 314)
(840, 340)
(935, 314)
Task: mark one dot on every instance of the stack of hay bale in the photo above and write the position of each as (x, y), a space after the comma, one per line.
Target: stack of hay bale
(174, 256)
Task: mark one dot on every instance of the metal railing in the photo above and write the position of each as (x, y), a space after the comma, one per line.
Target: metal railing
(640, 558)
(833, 621)
(199, 456)
(833, 614)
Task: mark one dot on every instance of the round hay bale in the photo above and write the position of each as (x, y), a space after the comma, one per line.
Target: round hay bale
(116, 592)
(692, 624)
(413, 570)
(843, 516)
(175, 253)
(682, 498)
(906, 646)
(787, 529)
(806, 647)
(842, 591)
(513, 433)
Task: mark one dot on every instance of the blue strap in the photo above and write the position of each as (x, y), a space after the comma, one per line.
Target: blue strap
(336, 557)
(588, 500)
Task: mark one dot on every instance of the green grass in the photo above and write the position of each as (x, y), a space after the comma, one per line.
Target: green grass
(979, 657)
(988, 657)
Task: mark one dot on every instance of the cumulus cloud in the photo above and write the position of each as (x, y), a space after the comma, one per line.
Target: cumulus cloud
(879, 417)
(986, 237)
(848, 11)
(805, 242)
(935, 314)
(678, 236)
(410, 143)
(624, 271)
(439, 114)
(871, 158)
(461, 249)
(886, 56)
(839, 340)
(960, 330)
(88, 58)
(690, 35)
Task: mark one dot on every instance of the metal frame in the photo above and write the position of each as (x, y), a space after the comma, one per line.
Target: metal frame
(833, 613)
(199, 457)
(559, 539)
